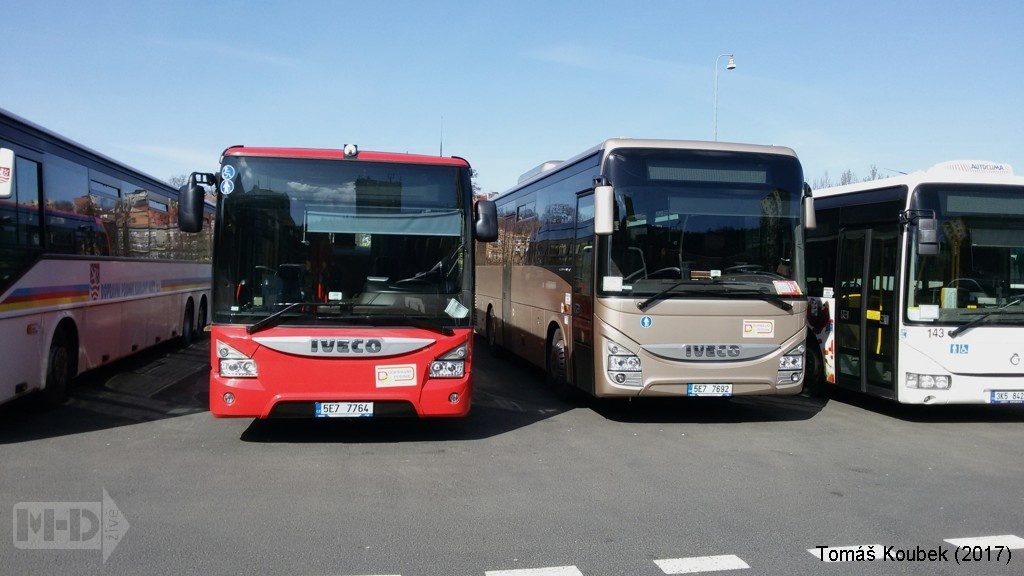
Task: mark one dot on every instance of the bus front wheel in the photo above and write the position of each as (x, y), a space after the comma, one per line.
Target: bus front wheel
(557, 369)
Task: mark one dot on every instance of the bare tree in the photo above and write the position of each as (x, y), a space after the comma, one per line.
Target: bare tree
(472, 178)
(178, 181)
(847, 177)
(822, 181)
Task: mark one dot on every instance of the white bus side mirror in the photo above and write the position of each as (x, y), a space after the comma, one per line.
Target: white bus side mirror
(604, 207)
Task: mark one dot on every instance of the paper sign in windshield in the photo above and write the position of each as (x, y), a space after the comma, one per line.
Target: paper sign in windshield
(787, 288)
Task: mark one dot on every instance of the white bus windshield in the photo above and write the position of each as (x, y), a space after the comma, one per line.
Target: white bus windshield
(980, 264)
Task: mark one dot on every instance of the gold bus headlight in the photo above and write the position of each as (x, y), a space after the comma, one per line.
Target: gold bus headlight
(791, 365)
(623, 366)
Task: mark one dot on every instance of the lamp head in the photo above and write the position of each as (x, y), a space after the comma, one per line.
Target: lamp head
(731, 65)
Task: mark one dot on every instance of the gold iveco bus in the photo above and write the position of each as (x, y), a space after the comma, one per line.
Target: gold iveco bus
(653, 268)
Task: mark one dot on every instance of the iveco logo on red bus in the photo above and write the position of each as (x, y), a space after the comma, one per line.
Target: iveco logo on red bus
(345, 346)
(712, 350)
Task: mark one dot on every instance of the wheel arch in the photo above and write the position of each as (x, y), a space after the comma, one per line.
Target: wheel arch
(67, 325)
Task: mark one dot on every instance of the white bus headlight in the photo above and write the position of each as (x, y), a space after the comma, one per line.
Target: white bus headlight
(623, 366)
(929, 381)
(791, 365)
(233, 364)
(451, 364)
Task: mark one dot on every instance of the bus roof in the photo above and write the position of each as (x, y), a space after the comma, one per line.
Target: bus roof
(340, 154)
(616, 143)
(33, 130)
(950, 172)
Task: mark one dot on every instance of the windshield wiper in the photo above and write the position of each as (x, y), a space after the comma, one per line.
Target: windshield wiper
(273, 319)
(413, 321)
(660, 295)
(979, 319)
(725, 289)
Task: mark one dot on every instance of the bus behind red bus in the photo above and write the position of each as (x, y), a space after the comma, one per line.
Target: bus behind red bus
(93, 267)
(343, 282)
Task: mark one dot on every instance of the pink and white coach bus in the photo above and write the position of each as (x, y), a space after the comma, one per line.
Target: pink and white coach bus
(92, 264)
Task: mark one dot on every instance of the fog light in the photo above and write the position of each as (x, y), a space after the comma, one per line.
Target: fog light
(453, 397)
(229, 398)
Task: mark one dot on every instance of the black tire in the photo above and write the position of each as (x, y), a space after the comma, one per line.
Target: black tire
(814, 371)
(59, 368)
(203, 320)
(557, 369)
(188, 326)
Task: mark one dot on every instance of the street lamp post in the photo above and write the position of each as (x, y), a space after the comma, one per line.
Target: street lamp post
(731, 65)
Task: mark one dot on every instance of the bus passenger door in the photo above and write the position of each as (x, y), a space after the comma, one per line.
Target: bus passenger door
(583, 254)
(866, 310)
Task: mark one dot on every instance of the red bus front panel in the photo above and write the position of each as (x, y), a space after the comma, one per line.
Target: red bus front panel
(384, 370)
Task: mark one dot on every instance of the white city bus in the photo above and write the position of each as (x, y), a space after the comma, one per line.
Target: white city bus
(653, 268)
(92, 265)
(916, 285)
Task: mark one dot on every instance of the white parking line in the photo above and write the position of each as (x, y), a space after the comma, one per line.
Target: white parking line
(860, 553)
(1009, 541)
(551, 571)
(700, 564)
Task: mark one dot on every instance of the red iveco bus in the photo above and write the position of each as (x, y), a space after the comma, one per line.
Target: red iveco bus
(343, 282)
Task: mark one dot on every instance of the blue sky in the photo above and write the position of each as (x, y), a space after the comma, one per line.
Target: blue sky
(165, 86)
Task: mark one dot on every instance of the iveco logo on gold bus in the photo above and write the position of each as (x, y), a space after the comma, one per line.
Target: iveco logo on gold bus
(344, 346)
(712, 350)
